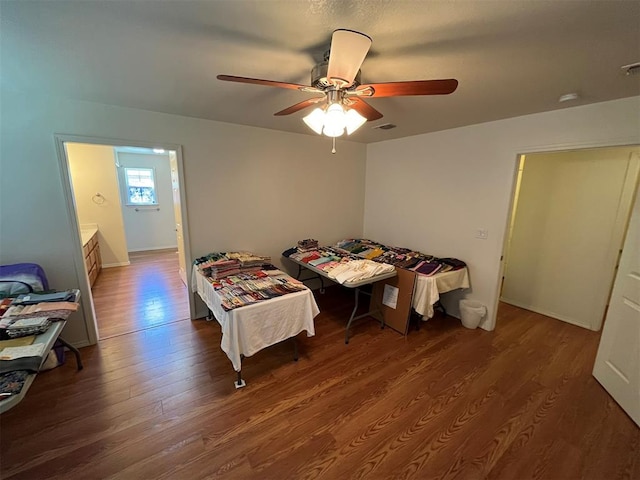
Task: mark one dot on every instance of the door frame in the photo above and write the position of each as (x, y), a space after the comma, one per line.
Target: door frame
(72, 217)
(515, 183)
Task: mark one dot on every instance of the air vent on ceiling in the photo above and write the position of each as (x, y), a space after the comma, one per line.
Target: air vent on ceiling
(385, 126)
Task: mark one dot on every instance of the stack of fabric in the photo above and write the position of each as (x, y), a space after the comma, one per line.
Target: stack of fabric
(211, 261)
(427, 267)
(362, 247)
(23, 327)
(357, 270)
(406, 259)
(223, 264)
(307, 245)
(220, 268)
(249, 261)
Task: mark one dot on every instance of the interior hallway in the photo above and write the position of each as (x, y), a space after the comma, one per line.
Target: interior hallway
(144, 294)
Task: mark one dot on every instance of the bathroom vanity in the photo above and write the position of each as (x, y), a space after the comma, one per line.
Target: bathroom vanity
(91, 252)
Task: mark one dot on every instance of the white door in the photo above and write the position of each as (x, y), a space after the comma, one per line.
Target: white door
(617, 365)
(175, 186)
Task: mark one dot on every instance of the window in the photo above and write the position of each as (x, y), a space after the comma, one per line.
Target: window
(141, 188)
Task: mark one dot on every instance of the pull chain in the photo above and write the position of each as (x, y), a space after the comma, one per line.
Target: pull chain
(333, 150)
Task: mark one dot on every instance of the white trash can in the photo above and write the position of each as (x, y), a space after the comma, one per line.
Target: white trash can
(472, 313)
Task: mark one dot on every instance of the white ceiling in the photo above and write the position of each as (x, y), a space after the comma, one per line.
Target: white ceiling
(511, 57)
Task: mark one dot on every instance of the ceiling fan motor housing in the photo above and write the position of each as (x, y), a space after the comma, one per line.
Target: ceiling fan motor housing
(319, 77)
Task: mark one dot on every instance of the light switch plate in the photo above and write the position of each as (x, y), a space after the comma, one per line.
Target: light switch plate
(482, 233)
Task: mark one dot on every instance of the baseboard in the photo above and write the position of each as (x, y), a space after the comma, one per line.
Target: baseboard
(81, 344)
(544, 312)
(151, 249)
(122, 264)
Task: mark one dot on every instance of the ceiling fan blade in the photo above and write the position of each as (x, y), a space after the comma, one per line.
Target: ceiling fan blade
(258, 81)
(299, 106)
(364, 109)
(417, 87)
(348, 49)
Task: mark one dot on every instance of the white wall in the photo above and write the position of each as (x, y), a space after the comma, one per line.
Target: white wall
(432, 192)
(93, 170)
(246, 188)
(149, 228)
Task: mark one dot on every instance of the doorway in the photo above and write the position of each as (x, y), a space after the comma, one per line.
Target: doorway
(125, 196)
(570, 213)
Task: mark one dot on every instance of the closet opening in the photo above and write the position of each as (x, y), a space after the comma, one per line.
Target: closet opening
(569, 217)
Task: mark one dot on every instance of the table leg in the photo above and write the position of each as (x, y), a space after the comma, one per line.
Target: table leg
(75, 351)
(321, 284)
(239, 383)
(310, 278)
(353, 315)
(295, 349)
(438, 306)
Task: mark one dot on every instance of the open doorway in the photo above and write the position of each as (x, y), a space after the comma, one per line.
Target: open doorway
(128, 203)
(570, 213)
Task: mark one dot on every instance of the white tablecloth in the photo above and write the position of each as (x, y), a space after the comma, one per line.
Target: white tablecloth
(247, 330)
(427, 290)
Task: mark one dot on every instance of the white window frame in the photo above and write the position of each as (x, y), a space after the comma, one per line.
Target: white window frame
(127, 186)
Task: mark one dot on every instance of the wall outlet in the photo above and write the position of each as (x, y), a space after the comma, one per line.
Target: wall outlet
(482, 233)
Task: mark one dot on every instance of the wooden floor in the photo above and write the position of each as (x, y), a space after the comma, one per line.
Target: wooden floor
(444, 403)
(144, 294)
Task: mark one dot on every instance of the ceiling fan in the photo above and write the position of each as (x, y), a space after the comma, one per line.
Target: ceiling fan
(340, 93)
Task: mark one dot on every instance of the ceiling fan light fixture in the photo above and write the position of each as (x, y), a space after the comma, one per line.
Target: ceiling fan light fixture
(334, 120)
(315, 120)
(353, 121)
